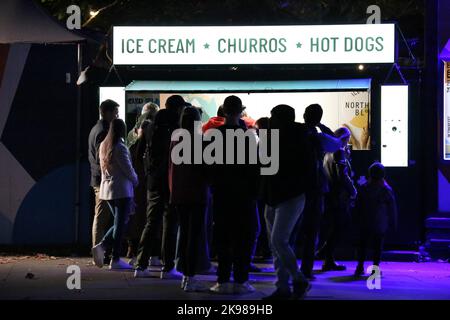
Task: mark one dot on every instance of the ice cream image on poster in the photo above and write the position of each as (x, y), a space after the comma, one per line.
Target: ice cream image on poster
(394, 125)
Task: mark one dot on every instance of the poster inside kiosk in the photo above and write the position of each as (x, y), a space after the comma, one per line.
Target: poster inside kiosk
(240, 45)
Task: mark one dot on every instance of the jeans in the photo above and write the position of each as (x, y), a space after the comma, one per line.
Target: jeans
(158, 211)
(281, 220)
(120, 209)
(235, 224)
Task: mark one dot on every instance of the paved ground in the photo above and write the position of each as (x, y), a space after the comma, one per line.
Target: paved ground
(47, 280)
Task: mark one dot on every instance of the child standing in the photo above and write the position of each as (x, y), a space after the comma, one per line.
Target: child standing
(375, 210)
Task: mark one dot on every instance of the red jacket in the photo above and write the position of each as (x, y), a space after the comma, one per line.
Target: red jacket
(213, 123)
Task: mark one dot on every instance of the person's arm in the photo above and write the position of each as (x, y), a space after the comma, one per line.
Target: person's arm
(124, 163)
(326, 130)
(98, 140)
(329, 143)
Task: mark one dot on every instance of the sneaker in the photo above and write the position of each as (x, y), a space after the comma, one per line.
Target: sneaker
(183, 282)
(279, 294)
(223, 288)
(254, 268)
(172, 274)
(142, 273)
(301, 288)
(333, 266)
(243, 288)
(193, 285)
(119, 265)
(132, 261)
(98, 252)
(154, 262)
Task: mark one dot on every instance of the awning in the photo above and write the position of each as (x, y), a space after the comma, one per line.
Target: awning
(249, 86)
(23, 21)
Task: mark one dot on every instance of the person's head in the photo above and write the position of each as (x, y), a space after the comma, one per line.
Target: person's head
(282, 114)
(244, 113)
(377, 172)
(109, 110)
(175, 103)
(313, 115)
(117, 131)
(220, 112)
(150, 108)
(141, 129)
(262, 123)
(344, 135)
(232, 107)
(188, 117)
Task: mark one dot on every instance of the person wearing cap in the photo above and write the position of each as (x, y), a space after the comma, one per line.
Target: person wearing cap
(234, 189)
(148, 112)
(338, 200)
(375, 212)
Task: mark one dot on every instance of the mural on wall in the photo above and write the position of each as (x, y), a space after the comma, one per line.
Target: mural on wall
(37, 146)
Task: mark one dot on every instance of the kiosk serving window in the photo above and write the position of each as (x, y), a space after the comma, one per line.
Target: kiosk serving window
(345, 102)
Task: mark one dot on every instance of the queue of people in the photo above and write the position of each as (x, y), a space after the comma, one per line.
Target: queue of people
(163, 208)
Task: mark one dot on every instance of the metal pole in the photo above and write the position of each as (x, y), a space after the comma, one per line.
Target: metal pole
(78, 150)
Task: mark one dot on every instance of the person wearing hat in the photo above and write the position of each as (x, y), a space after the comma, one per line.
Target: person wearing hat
(338, 200)
(234, 189)
(375, 212)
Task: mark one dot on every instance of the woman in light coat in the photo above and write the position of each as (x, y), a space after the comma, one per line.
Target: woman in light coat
(118, 181)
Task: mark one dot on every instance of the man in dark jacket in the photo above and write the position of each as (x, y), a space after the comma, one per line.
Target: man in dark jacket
(159, 211)
(234, 188)
(284, 194)
(109, 111)
(317, 187)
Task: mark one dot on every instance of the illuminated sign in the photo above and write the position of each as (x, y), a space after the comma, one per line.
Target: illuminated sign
(244, 45)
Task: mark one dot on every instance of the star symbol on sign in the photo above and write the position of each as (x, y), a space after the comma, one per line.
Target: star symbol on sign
(206, 45)
(299, 45)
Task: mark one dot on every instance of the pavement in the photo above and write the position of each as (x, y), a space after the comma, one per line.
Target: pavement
(42, 277)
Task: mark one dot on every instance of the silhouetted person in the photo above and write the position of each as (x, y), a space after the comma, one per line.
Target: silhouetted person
(375, 211)
(338, 200)
(158, 208)
(317, 183)
(138, 219)
(188, 193)
(234, 188)
(109, 111)
(284, 195)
